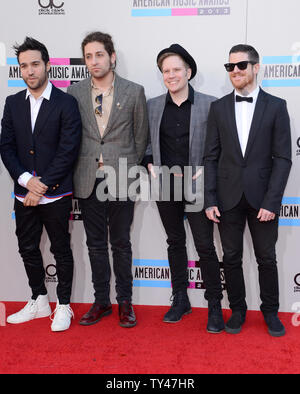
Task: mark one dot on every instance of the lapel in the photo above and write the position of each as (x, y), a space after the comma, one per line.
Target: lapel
(46, 108)
(119, 101)
(194, 116)
(256, 121)
(25, 114)
(157, 114)
(230, 111)
(86, 102)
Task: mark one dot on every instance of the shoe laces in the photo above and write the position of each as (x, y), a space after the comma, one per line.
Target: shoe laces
(177, 298)
(30, 306)
(62, 308)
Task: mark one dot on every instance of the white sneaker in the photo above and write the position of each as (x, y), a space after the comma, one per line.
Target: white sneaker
(62, 318)
(34, 309)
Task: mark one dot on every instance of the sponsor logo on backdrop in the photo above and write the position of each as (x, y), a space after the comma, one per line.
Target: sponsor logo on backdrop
(156, 273)
(298, 147)
(296, 315)
(51, 7)
(63, 73)
(51, 274)
(297, 283)
(155, 8)
(281, 71)
(289, 212)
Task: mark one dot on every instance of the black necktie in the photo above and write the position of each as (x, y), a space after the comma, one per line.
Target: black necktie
(239, 99)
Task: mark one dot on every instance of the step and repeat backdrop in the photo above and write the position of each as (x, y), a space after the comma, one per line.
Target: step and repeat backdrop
(140, 29)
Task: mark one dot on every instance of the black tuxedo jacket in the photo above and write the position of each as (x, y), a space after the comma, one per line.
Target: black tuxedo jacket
(50, 151)
(263, 172)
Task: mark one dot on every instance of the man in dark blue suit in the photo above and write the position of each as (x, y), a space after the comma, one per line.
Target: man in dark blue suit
(40, 140)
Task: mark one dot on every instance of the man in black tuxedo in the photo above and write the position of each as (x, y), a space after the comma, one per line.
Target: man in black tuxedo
(247, 164)
(40, 141)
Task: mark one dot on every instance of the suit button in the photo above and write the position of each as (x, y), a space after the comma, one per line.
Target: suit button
(31, 152)
(102, 142)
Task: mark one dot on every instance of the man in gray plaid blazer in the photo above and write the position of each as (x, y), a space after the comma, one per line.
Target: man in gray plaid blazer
(178, 130)
(115, 126)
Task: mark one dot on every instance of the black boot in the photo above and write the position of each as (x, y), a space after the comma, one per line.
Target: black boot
(181, 306)
(235, 323)
(215, 323)
(275, 327)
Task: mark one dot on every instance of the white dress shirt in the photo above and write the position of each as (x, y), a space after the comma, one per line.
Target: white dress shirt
(35, 105)
(244, 112)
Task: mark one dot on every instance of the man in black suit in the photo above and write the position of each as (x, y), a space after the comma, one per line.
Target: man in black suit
(40, 140)
(247, 164)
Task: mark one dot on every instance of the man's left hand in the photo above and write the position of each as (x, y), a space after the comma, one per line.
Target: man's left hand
(265, 216)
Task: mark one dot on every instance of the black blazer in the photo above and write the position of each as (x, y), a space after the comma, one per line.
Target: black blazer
(51, 150)
(263, 172)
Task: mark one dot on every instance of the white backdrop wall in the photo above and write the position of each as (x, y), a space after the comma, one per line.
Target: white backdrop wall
(140, 29)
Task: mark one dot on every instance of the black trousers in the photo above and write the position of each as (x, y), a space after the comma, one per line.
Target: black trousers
(113, 218)
(264, 236)
(172, 216)
(29, 227)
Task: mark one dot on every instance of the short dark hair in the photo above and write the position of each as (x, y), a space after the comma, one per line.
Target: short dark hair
(30, 44)
(252, 52)
(103, 38)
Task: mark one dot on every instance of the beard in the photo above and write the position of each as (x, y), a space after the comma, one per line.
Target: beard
(102, 72)
(36, 83)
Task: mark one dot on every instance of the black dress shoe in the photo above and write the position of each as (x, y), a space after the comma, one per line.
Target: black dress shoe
(126, 314)
(275, 327)
(215, 324)
(234, 324)
(181, 306)
(95, 314)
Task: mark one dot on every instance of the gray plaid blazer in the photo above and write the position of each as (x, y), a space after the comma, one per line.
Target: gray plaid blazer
(198, 123)
(126, 134)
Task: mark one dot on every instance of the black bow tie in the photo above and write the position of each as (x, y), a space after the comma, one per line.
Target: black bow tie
(239, 99)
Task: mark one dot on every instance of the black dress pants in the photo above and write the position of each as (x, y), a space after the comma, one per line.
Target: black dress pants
(113, 218)
(172, 216)
(264, 236)
(29, 227)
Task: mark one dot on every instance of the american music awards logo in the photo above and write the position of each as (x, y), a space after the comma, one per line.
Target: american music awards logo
(156, 274)
(63, 73)
(281, 71)
(74, 216)
(51, 7)
(156, 8)
(290, 212)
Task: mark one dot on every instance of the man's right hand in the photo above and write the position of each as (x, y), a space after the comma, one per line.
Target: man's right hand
(35, 186)
(151, 170)
(213, 214)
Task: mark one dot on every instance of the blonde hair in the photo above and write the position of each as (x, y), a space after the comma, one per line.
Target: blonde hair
(168, 54)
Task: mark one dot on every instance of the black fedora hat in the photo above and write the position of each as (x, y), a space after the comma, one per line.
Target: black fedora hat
(180, 51)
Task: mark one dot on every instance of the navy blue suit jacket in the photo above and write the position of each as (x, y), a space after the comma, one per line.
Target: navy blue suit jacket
(50, 150)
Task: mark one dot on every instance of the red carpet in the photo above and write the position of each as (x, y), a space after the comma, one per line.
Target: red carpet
(152, 347)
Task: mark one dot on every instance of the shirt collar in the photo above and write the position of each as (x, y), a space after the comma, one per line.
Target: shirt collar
(190, 98)
(46, 93)
(108, 92)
